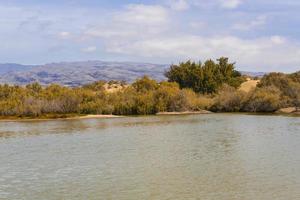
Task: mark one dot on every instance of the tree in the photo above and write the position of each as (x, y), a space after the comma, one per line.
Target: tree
(204, 78)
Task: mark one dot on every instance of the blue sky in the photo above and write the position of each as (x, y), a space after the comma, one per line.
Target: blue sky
(259, 35)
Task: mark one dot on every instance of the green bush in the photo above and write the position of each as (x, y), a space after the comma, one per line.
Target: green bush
(205, 78)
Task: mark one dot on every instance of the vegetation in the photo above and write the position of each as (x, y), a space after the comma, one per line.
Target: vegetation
(144, 96)
(205, 78)
(190, 87)
(275, 90)
(228, 99)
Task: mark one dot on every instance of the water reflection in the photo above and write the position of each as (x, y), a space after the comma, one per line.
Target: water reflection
(27, 128)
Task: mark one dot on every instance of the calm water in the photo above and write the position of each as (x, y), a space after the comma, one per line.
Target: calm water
(219, 156)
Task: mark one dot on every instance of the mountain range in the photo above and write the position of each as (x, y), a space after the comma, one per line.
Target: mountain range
(79, 73)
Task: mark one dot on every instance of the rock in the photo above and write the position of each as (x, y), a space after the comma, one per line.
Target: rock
(289, 110)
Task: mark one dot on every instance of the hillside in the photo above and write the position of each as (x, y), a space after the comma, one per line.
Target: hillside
(253, 74)
(80, 73)
(13, 67)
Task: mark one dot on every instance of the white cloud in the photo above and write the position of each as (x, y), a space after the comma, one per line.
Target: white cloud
(134, 21)
(64, 34)
(155, 38)
(197, 25)
(186, 46)
(105, 32)
(153, 32)
(89, 49)
(142, 14)
(254, 53)
(278, 39)
(179, 5)
(209, 4)
(246, 26)
(230, 4)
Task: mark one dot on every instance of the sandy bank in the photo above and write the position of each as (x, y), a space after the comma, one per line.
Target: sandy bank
(289, 110)
(51, 118)
(94, 116)
(184, 113)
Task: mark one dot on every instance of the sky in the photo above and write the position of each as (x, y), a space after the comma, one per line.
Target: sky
(259, 35)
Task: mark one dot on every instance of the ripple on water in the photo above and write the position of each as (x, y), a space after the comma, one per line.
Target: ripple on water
(219, 156)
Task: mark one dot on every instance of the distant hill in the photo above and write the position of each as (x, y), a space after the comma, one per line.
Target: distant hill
(80, 73)
(254, 74)
(13, 67)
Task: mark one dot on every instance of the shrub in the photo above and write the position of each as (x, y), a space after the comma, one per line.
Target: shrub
(266, 99)
(228, 99)
(288, 85)
(144, 84)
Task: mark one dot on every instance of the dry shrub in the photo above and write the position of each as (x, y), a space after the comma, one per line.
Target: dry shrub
(266, 99)
(228, 99)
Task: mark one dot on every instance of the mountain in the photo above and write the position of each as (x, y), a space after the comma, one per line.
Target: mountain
(13, 67)
(79, 73)
(253, 74)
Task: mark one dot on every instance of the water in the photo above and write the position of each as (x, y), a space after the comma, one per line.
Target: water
(219, 156)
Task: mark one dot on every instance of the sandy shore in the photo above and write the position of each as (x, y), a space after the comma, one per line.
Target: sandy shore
(59, 118)
(94, 116)
(185, 113)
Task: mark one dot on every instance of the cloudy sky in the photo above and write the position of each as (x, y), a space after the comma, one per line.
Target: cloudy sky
(260, 35)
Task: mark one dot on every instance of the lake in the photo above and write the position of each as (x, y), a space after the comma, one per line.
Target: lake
(217, 156)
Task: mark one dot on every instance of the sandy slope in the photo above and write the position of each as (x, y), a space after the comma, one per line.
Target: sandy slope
(248, 85)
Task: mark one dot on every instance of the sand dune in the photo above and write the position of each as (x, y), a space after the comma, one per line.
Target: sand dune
(248, 85)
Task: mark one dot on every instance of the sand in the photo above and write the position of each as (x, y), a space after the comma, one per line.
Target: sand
(94, 116)
(59, 118)
(289, 110)
(185, 113)
(248, 85)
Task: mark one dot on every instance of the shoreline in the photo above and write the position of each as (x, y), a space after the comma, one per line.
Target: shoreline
(185, 113)
(79, 117)
(95, 116)
(51, 118)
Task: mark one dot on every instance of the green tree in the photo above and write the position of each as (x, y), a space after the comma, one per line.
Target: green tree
(204, 78)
